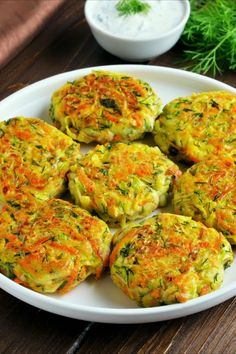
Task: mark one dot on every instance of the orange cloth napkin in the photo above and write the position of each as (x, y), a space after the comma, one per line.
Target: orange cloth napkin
(20, 21)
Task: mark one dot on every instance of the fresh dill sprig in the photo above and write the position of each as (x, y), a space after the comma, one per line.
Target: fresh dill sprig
(132, 7)
(210, 36)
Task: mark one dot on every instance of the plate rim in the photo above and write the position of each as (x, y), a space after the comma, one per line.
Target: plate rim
(117, 315)
(180, 72)
(124, 315)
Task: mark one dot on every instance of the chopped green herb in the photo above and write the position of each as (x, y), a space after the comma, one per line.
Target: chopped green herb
(14, 204)
(106, 125)
(231, 140)
(110, 103)
(63, 284)
(216, 196)
(227, 264)
(52, 112)
(158, 228)
(214, 104)
(122, 190)
(109, 147)
(199, 115)
(132, 7)
(125, 251)
(187, 110)
(205, 260)
(7, 269)
(9, 121)
(104, 171)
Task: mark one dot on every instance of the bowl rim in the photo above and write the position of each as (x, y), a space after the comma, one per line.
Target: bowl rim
(89, 3)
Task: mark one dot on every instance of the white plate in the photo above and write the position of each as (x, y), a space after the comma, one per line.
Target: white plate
(100, 300)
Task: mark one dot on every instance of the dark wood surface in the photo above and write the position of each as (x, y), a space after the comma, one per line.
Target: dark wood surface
(66, 43)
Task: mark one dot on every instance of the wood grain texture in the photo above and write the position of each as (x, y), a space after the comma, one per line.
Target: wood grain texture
(66, 43)
(200, 333)
(25, 329)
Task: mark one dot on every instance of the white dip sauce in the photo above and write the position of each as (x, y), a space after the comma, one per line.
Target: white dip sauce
(161, 18)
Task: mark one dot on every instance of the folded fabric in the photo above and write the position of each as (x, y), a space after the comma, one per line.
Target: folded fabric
(20, 21)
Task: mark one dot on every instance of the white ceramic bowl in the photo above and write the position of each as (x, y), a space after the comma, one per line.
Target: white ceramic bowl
(136, 50)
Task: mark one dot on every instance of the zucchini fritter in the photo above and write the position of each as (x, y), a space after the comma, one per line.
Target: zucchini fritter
(105, 106)
(51, 246)
(195, 127)
(122, 181)
(207, 192)
(168, 259)
(34, 158)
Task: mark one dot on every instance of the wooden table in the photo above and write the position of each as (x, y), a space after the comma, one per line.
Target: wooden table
(66, 43)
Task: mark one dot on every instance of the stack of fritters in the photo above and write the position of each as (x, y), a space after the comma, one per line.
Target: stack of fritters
(171, 258)
(51, 245)
(202, 128)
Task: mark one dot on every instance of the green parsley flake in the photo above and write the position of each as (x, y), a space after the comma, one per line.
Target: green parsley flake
(132, 7)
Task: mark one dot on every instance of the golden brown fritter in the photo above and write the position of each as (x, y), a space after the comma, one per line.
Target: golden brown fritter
(122, 181)
(169, 259)
(34, 158)
(207, 192)
(51, 246)
(193, 128)
(105, 106)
